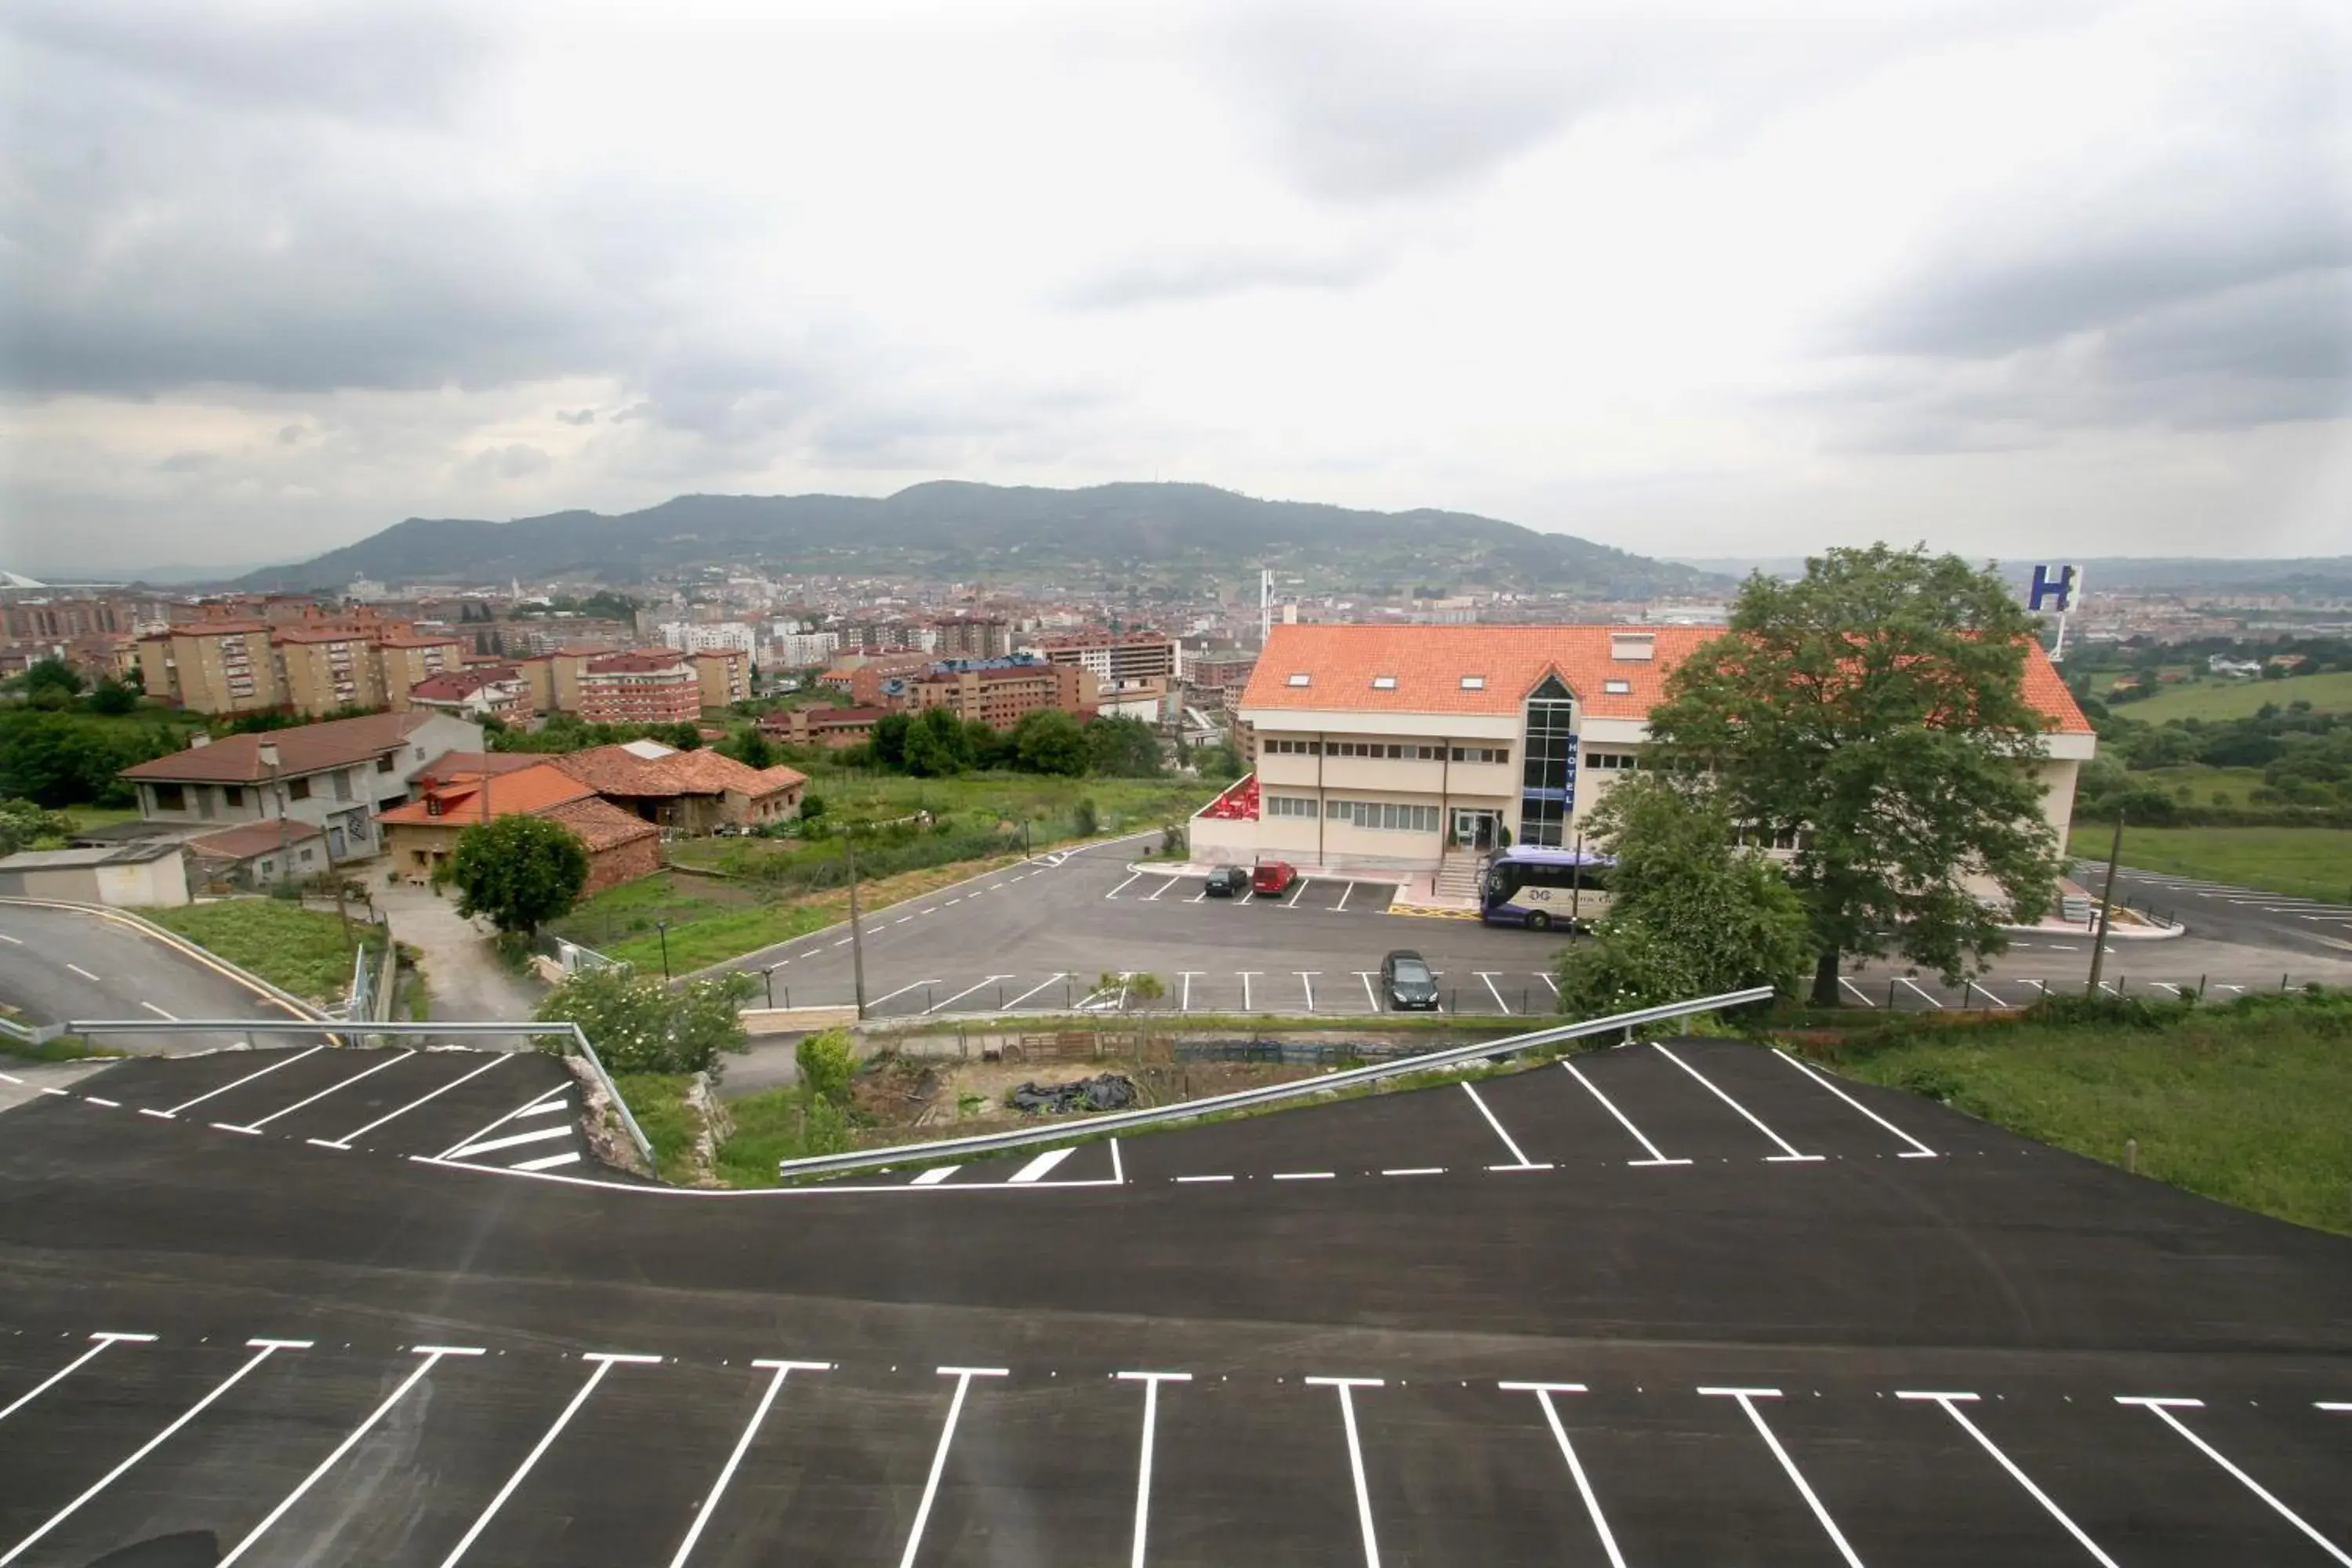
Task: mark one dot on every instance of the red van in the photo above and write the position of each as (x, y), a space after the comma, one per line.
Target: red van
(1272, 877)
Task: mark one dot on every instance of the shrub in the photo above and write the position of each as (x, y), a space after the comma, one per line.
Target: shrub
(827, 1063)
(643, 1025)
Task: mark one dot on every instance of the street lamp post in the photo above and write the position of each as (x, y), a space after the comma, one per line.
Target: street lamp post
(267, 752)
(663, 927)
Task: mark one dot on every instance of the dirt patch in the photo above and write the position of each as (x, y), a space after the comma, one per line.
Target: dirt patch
(902, 1095)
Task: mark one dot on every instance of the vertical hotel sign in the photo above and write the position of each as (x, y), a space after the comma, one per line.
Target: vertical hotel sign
(2055, 588)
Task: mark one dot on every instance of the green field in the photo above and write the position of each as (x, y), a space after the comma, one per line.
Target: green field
(2211, 699)
(2307, 862)
(2243, 1103)
(298, 950)
(2204, 782)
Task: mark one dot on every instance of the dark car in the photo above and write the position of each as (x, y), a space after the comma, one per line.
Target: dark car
(1409, 984)
(1228, 881)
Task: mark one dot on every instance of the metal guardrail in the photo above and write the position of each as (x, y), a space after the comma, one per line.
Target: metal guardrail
(1127, 1121)
(90, 1029)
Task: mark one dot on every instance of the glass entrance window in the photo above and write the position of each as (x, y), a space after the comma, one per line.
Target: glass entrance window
(1548, 777)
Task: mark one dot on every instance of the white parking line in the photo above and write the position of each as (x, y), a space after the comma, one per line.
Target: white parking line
(949, 1001)
(1200, 896)
(605, 1362)
(1205, 1178)
(267, 1347)
(1306, 979)
(543, 1108)
(1655, 1158)
(514, 1141)
(1346, 1386)
(1414, 1171)
(902, 990)
(1788, 1154)
(1547, 980)
(2162, 1409)
(534, 1104)
(1038, 1168)
(935, 1176)
(1153, 897)
(265, 1072)
(1371, 998)
(1031, 992)
(1856, 989)
(159, 1012)
(742, 1446)
(1543, 1393)
(1921, 994)
(1917, 1150)
(963, 1377)
(1972, 985)
(1151, 1382)
(1187, 976)
(1120, 888)
(371, 1072)
(1951, 1402)
(1245, 975)
(346, 1140)
(1298, 892)
(1491, 991)
(1747, 1398)
(433, 1355)
(1341, 908)
(11, 941)
(1305, 1175)
(548, 1162)
(1518, 1157)
(104, 1339)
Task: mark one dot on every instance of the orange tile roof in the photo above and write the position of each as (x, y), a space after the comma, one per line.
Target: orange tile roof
(1430, 662)
(616, 769)
(527, 792)
(600, 823)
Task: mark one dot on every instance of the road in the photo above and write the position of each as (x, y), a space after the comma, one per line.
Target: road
(2317, 928)
(56, 964)
(1683, 1305)
(1037, 937)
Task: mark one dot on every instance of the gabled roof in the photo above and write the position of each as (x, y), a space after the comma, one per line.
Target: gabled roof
(252, 838)
(1427, 666)
(526, 792)
(455, 765)
(636, 662)
(303, 749)
(452, 686)
(617, 770)
(600, 823)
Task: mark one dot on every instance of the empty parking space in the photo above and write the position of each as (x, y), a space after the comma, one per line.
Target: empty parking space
(1815, 1112)
(1679, 1109)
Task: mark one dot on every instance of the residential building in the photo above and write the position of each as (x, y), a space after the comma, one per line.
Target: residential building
(723, 674)
(553, 677)
(1217, 679)
(802, 650)
(254, 855)
(411, 657)
(692, 636)
(875, 679)
(971, 637)
(688, 792)
(1000, 694)
(212, 667)
(879, 635)
(1394, 747)
(821, 725)
(640, 688)
(423, 833)
(585, 633)
(1117, 660)
(324, 669)
(489, 691)
(334, 775)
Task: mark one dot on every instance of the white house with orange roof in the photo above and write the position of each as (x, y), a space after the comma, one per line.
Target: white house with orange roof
(1401, 748)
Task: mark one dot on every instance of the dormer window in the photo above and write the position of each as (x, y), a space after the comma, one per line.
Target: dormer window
(1618, 687)
(1385, 683)
(1302, 679)
(1473, 683)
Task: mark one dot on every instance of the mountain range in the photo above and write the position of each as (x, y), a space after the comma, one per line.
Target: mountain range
(959, 531)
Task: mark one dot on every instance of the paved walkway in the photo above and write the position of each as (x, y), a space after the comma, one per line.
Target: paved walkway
(466, 980)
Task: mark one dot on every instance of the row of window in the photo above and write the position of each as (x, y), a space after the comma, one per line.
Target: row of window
(1386, 815)
(1393, 751)
(1611, 761)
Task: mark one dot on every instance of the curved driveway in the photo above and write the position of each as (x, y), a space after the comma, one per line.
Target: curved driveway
(60, 965)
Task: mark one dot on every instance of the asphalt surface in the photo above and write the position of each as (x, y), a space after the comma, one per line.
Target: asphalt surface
(1039, 937)
(2316, 928)
(56, 964)
(1362, 1322)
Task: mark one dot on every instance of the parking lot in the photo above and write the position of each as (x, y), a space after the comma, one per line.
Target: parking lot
(290, 1450)
(512, 1110)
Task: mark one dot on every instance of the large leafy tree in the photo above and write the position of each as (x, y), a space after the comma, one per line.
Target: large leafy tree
(1875, 709)
(521, 871)
(1049, 740)
(1694, 914)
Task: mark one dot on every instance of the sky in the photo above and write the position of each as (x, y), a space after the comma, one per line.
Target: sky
(2023, 278)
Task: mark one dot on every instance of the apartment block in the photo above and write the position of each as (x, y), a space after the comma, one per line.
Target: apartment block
(413, 657)
(212, 667)
(971, 637)
(1000, 695)
(695, 637)
(640, 688)
(1118, 658)
(323, 669)
(725, 675)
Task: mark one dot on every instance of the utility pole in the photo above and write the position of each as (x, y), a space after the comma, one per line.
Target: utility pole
(2106, 907)
(856, 937)
(267, 752)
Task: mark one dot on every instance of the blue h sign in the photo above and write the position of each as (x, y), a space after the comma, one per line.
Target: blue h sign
(2053, 592)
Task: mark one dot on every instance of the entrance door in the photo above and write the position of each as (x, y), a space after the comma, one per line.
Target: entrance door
(1473, 829)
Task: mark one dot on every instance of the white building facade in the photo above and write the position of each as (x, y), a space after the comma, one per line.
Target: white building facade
(1399, 748)
(699, 636)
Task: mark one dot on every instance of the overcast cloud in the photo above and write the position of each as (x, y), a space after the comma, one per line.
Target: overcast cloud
(1691, 278)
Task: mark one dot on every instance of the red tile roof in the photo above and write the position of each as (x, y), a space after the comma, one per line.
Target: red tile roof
(628, 663)
(452, 685)
(451, 765)
(1429, 663)
(526, 792)
(600, 823)
(616, 769)
(251, 839)
(303, 749)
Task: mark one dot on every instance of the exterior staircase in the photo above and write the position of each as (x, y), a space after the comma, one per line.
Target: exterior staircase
(1458, 877)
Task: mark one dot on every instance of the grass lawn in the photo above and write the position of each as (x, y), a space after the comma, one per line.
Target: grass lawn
(2215, 699)
(86, 817)
(2244, 1103)
(299, 950)
(659, 1103)
(988, 799)
(2309, 862)
(2203, 782)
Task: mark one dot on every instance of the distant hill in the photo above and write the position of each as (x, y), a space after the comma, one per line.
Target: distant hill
(957, 529)
(2318, 576)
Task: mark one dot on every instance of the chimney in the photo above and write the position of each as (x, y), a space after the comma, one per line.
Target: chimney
(1625, 646)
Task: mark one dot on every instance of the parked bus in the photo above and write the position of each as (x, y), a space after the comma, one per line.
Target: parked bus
(1539, 887)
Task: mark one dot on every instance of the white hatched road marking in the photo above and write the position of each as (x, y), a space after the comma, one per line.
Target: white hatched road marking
(1656, 1157)
(902, 990)
(1917, 1150)
(104, 1339)
(267, 1348)
(549, 1162)
(532, 1104)
(346, 1083)
(604, 1361)
(2162, 1409)
(1788, 1152)
(1951, 1403)
(512, 1140)
(1038, 1168)
(433, 1355)
(742, 1446)
(1747, 1398)
(935, 1176)
(541, 1110)
(1543, 1393)
(1031, 992)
